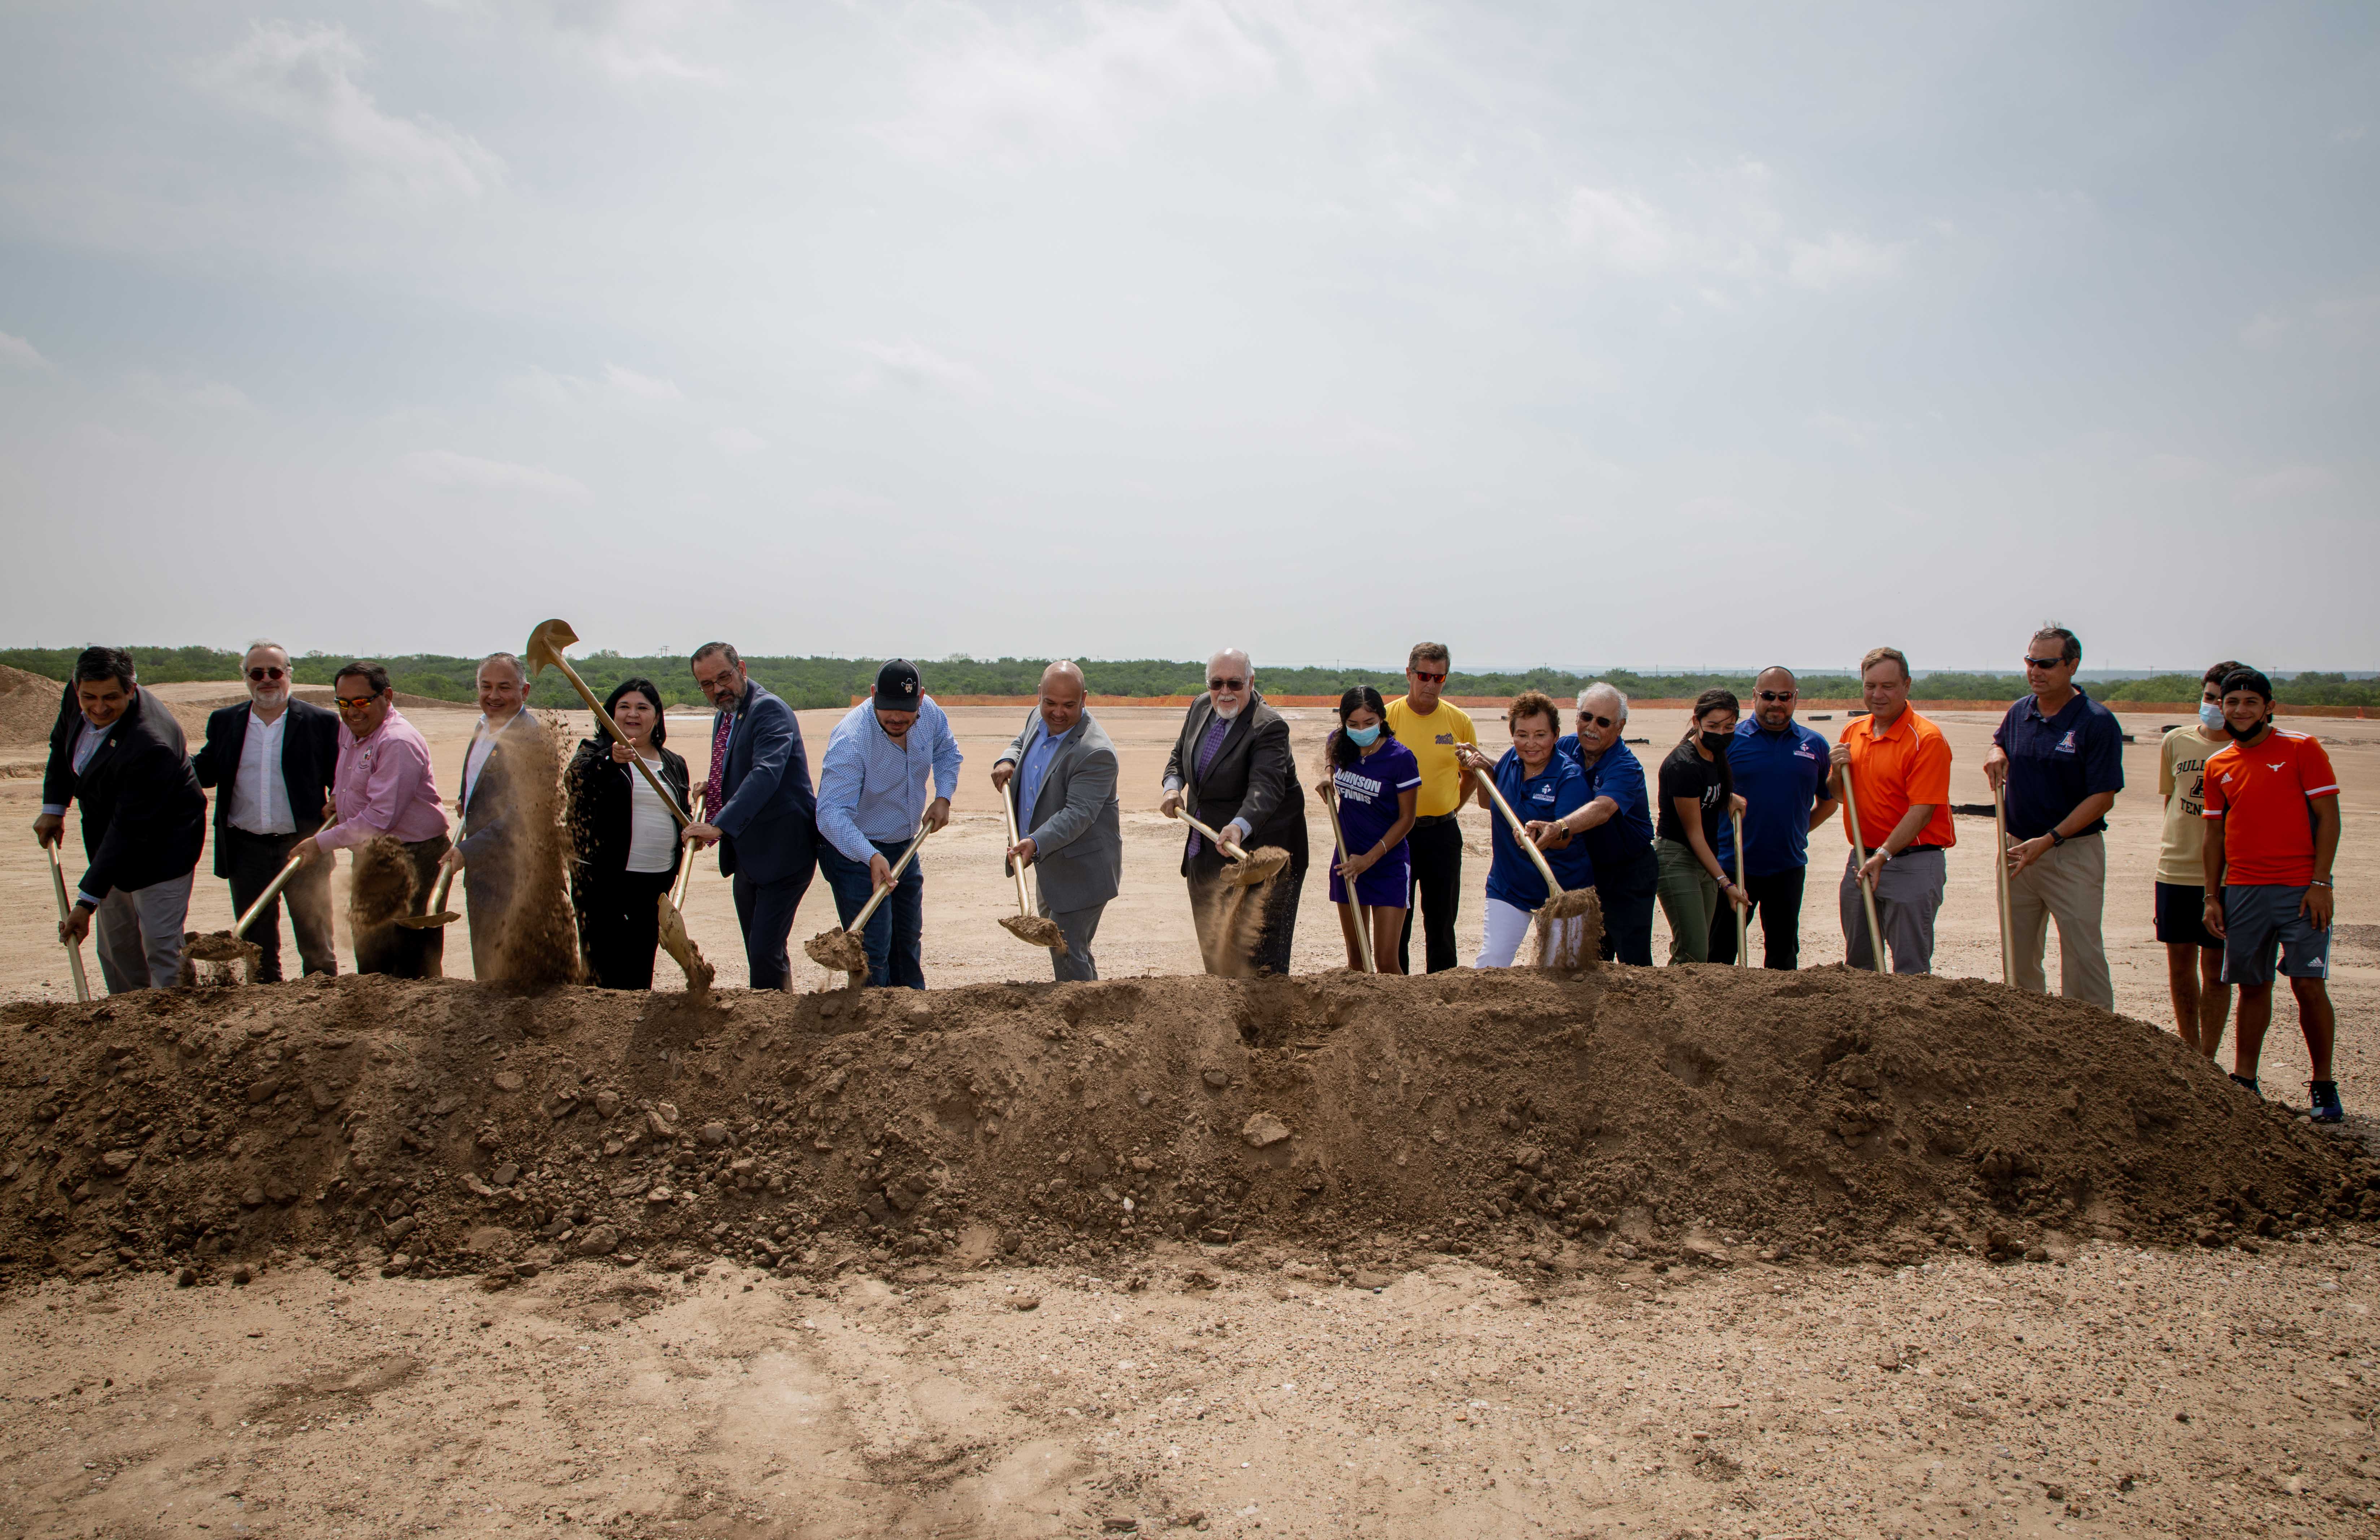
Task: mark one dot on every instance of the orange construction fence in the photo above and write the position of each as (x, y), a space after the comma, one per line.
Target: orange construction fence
(1496, 703)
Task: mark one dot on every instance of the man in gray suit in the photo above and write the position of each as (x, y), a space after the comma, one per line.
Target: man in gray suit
(1064, 770)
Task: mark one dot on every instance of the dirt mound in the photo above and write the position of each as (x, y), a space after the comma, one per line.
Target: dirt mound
(29, 706)
(1692, 1114)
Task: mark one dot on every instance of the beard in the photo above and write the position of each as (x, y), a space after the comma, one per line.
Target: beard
(1228, 714)
(2239, 737)
(271, 696)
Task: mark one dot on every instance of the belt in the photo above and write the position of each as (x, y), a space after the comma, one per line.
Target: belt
(1432, 817)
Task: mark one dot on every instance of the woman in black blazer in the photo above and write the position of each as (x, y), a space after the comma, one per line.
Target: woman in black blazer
(627, 840)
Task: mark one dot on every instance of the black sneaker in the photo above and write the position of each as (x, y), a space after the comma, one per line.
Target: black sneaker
(2326, 1107)
(2247, 1083)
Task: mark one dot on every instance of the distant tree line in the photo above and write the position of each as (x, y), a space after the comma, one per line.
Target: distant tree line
(817, 682)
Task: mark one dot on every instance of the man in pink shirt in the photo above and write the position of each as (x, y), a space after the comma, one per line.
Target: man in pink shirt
(384, 786)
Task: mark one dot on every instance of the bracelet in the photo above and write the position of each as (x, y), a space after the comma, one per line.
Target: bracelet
(2318, 882)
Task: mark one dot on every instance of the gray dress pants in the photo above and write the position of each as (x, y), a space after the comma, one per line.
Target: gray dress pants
(1908, 895)
(1077, 925)
(138, 934)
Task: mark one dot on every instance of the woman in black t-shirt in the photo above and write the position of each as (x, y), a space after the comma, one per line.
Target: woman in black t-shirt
(1696, 790)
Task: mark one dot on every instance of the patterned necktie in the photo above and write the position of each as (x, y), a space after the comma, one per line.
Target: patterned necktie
(712, 794)
(1207, 751)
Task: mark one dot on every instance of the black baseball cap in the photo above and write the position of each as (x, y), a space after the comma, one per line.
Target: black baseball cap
(898, 687)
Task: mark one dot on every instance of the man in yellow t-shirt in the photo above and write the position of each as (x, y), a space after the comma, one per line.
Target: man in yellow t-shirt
(1431, 727)
(2193, 958)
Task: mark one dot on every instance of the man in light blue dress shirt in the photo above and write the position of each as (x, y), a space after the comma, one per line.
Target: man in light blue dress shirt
(872, 798)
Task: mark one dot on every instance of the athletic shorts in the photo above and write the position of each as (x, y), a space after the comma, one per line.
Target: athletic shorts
(2260, 916)
(2181, 918)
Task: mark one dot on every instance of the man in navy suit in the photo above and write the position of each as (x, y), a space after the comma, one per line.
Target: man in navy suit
(117, 752)
(275, 760)
(757, 808)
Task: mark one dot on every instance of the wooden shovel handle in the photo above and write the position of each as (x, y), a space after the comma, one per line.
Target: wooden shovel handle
(74, 952)
(899, 867)
(272, 892)
(1008, 817)
(1521, 836)
(1363, 917)
(1230, 851)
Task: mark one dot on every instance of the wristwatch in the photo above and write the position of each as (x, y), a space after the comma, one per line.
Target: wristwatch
(2056, 839)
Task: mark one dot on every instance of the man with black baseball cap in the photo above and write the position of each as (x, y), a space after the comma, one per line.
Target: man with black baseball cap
(872, 798)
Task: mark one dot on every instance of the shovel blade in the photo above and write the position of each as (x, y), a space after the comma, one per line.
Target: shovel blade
(426, 922)
(547, 643)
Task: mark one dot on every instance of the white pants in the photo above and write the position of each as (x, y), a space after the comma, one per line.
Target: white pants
(138, 935)
(1508, 927)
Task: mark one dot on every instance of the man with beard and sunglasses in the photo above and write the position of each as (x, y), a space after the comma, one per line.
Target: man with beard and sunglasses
(2060, 755)
(1231, 768)
(1781, 773)
(2272, 811)
(275, 757)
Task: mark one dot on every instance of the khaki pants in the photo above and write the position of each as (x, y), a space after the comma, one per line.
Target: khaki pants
(2068, 885)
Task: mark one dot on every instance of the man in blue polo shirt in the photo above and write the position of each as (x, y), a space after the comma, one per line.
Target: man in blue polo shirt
(1616, 823)
(2060, 756)
(1781, 773)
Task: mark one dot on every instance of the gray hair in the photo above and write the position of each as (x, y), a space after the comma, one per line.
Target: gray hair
(264, 642)
(1610, 691)
(518, 671)
(1221, 653)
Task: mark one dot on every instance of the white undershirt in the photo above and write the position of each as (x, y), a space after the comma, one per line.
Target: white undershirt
(259, 798)
(652, 833)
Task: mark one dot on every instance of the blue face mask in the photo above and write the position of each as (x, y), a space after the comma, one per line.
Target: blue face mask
(2210, 717)
(1364, 737)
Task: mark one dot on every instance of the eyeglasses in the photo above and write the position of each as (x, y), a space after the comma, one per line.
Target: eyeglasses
(257, 676)
(1226, 685)
(1599, 721)
(353, 702)
(1429, 678)
(2042, 662)
(1777, 694)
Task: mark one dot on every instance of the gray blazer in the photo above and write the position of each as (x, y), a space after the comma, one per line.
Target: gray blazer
(1078, 844)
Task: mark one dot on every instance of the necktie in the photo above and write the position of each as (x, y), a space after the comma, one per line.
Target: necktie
(712, 794)
(1208, 748)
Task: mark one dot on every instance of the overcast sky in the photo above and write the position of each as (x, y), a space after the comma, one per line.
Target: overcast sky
(1566, 333)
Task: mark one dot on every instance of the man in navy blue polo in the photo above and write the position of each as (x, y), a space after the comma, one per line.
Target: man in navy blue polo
(1781, 773)
(2060, 756)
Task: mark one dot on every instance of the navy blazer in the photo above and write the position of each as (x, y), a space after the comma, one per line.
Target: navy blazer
(771, 809)
(144, 816)
(309, 764)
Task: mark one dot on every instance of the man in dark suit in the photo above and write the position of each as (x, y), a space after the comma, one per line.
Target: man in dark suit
(1232, 766)
(274, 760)
(486, 849)
(759, 808)
(1067, 821)
(117, 750)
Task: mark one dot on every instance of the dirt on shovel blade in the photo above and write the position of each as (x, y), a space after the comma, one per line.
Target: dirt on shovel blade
(841, 950)
(1034, 929)
(1263, 864)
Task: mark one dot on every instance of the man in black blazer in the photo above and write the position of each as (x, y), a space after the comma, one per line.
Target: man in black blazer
(759, 808)
(274, 760)
(119, 752)
(1232, 766)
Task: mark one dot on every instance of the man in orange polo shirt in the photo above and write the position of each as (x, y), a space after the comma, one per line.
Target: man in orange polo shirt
(1900, 767)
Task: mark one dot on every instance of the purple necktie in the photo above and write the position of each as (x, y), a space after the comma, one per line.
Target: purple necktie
(1207, 751)
(712, 788)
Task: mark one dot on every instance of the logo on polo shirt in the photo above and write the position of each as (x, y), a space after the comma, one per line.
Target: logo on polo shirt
(1806, 752)
(2066, 743)
(1445, 738)
(2275, 767)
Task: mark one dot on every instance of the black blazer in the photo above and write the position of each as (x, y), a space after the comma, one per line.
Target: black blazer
(144, 819)
(1253, 777)
(769, 817)
(309, 764)
(600, 816)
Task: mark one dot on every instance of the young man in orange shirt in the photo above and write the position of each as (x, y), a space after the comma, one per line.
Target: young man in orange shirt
(1900, 767)
(2272, 800)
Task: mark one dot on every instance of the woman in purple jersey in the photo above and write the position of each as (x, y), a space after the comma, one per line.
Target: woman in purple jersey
(1376, 782)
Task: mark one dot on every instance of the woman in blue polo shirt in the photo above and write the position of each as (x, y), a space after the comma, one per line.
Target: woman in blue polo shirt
(1542, 784)
(1377, 783)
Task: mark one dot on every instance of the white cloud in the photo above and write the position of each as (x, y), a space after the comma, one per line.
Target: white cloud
(2288, 482)
(17, 350)
(629, 39)
(644, 385)
(212, 395)
(1621, 230)
(303, 78)
(443, 467)
(1842, 258)
(738, 441)
(920, 367)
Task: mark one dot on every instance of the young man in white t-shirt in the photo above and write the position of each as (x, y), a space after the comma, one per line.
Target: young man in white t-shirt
(2194, 959)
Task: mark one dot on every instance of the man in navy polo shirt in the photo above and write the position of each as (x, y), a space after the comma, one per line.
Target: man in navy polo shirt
(1781, 773)
(2060, 756)
(1617, 825)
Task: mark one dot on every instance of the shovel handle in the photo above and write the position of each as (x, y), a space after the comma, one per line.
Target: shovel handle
(668, 800)
(685, 869)
(898, 868)
(1008, 817)
(1742, 921)
(74, 951)
(2000, 883)
(1362, 919)
(1521, 836)
(1231, 851)
(1867, 894)
(271, 891)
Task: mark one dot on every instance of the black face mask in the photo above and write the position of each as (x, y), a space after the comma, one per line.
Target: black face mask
(1716, 742)
(2239, 737)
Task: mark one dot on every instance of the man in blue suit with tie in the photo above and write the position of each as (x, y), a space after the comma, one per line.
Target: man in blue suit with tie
(757, 808)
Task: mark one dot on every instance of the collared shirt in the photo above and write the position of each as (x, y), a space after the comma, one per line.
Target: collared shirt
(1558, 789)
(2056, 761)
(1905, 764)
(872, 786)
(1780, 777)
(483, 743)
(1432, 739)
(88, 738)
(1616, 844)
(1036, 764)
(383, 786)
(260, 797)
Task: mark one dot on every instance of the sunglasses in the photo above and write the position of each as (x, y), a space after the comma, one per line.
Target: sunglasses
(1429, 678)
(1227, 684)
(257, 676)
(1599, 721)
(353, 702)
(2042, 662)
(1777, 694)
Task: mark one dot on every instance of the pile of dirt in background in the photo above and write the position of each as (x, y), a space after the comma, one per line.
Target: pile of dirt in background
(1534, 1121)
(29, 706)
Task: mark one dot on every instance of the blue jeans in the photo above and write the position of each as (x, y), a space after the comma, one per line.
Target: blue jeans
(896, 930)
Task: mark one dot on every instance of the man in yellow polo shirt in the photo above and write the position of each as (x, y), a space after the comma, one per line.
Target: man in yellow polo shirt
(1431, 727)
